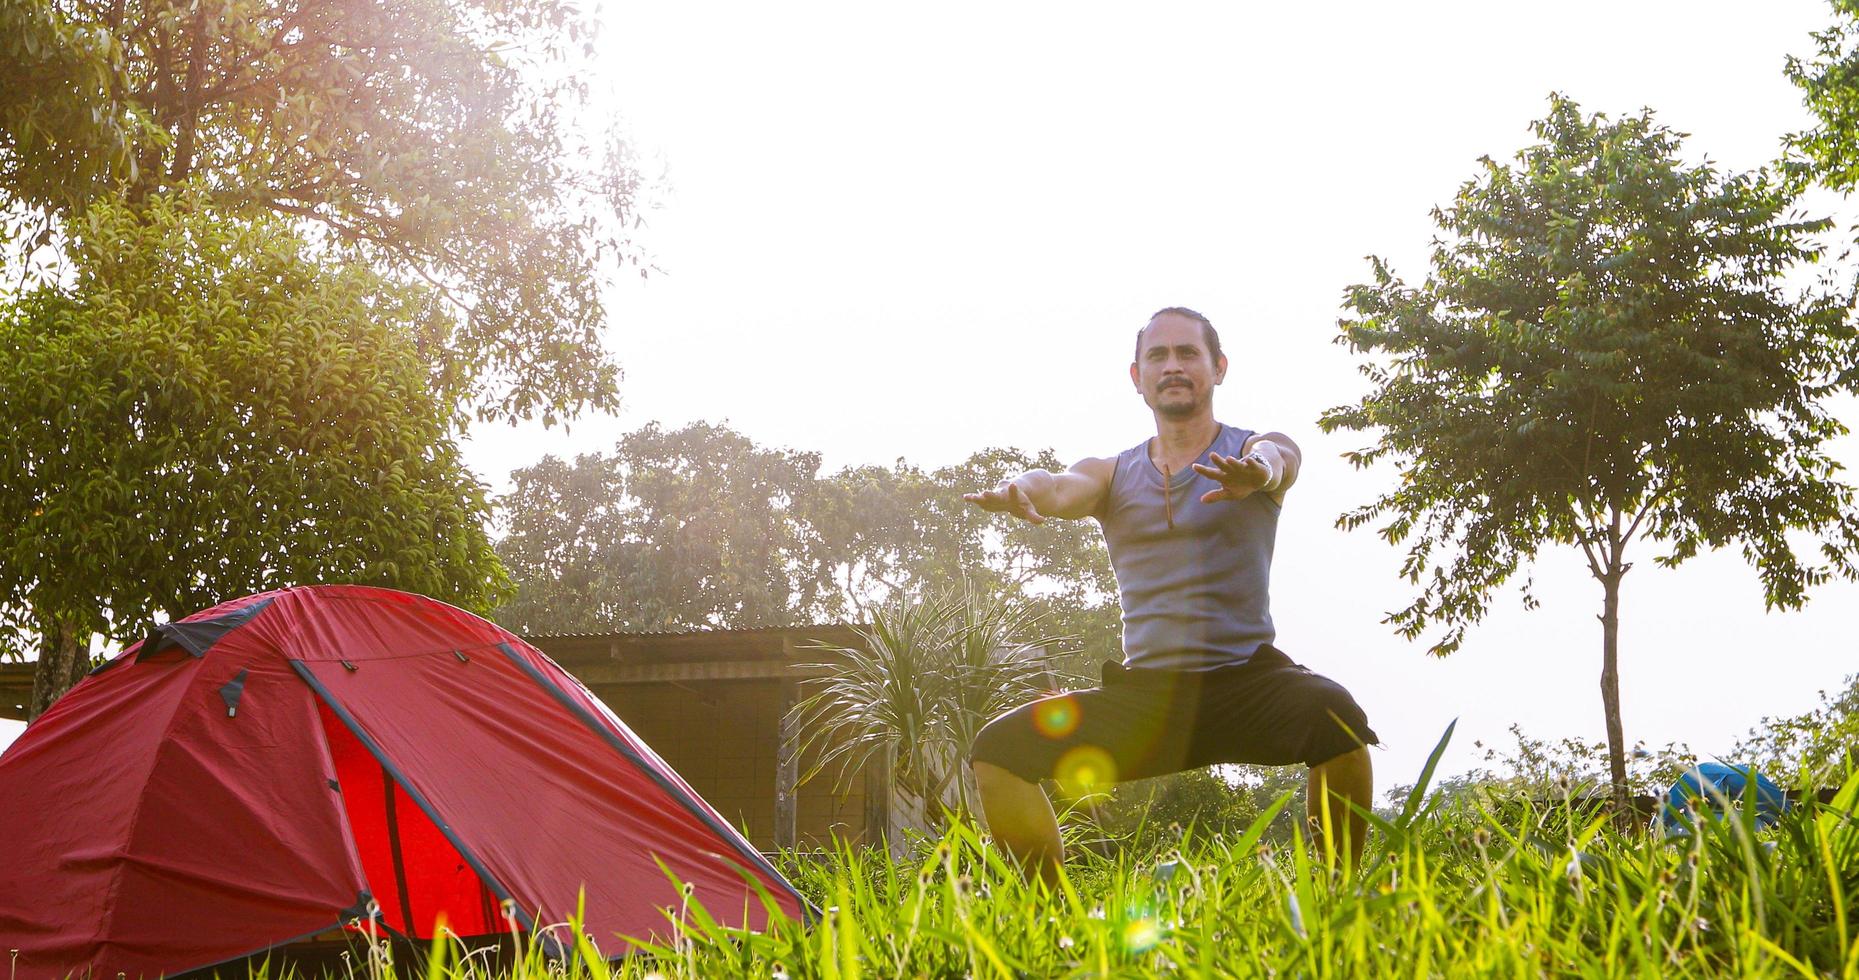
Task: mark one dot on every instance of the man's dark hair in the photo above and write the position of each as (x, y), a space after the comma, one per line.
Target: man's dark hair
(1209, 337)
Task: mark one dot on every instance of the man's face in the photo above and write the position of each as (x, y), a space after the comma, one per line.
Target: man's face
(1174, 371)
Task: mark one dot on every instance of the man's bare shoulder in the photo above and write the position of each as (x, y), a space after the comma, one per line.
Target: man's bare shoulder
(1280, 439)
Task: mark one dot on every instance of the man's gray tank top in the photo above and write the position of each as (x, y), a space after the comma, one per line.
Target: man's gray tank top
(1195, 594)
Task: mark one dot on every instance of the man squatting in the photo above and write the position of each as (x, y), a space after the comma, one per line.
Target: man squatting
(1189, 518)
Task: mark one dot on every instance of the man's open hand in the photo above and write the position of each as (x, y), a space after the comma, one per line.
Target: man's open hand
(1007, 498)
(1239, 476)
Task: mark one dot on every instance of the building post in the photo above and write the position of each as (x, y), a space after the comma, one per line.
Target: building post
(787, 770)
(878, 792)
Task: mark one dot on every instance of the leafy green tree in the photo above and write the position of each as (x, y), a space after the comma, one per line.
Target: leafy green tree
(436, 142)
(902, 530)
(695, 527)
(1602, 355)
(64, 133)
(209, 411)
(1829, 84)
(702, 527)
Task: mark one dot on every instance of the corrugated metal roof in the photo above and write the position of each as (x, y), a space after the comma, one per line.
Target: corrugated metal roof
(694, 631)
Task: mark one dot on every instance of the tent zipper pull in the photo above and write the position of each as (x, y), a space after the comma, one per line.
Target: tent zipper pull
(460, 654)
(349, 666)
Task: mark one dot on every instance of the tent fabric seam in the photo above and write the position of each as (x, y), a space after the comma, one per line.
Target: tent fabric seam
(135, 817)
(613, 740)
(419, 799)
(435, 651)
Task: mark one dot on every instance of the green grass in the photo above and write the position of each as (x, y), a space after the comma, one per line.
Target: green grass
(1448, 889)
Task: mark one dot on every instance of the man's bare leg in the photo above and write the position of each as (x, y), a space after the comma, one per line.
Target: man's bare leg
(1349, 776)
(1022, 821)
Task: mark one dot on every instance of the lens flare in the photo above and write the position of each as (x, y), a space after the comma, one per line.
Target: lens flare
(1085, 770)
(1141, 934)
(1056, 717)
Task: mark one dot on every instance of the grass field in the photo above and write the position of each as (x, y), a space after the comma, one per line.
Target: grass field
(1463, 887)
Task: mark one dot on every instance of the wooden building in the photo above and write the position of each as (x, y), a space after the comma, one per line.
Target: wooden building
(714, 704)
(15, 690)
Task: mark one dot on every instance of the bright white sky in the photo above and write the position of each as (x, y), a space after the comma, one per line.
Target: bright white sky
(920, 231)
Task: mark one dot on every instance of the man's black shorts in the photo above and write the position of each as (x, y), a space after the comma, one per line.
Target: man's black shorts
(1145, 722)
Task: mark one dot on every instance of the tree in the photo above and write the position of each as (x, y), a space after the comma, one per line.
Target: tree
(209, 411)
(701, 527)
(691, 528)
(1603, 354)
(435, 142)
(901, 530)
(64, 134)
(1829, 84)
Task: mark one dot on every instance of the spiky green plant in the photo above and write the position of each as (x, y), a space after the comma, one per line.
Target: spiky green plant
(928, 674)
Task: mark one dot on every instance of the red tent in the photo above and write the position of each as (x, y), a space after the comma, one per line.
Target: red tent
(278, 766)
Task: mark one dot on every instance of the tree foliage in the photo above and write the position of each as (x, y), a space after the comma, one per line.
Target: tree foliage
(691, 528)
(435, 142)
(1829, 84)
(64, 132)
(1603, 352)
(902, 530)
(700, 527)
(210, 411)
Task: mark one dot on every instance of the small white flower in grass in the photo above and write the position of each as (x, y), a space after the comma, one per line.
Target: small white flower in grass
(1065, 942)
(779, 972)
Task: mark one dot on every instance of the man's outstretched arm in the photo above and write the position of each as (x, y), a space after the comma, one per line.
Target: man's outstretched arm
(1038, 494)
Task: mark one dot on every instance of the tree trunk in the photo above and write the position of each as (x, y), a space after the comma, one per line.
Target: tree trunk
(1610, 694)
(190, 96)
(64, 659)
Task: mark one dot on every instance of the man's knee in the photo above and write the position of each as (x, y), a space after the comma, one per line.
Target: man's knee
(1352, 757)
(1339, 727)
(996, 748)
(989, 776)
